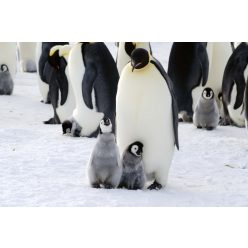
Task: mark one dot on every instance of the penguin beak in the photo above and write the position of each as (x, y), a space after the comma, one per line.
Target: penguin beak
(136, 65)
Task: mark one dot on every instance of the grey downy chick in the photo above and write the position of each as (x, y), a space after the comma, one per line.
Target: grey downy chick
(6, 82)
(104, 169)
(133, 174)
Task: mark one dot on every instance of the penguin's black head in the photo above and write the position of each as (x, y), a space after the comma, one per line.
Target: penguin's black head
(105, 125)
(208, 94)
(66, 127)
(54, 59)
(136, 148)
(139, 58)
(4, 67)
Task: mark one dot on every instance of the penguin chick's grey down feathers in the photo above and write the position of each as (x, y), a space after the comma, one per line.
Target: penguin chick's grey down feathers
(104, 166)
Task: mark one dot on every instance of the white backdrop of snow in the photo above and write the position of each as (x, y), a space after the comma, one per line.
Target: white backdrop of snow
(41, 167)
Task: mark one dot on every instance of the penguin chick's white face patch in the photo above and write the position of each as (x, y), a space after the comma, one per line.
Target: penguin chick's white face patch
(208, 94)
(106, 126)
(134, 150)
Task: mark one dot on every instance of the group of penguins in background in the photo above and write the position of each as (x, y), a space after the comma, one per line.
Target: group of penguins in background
(132, 105)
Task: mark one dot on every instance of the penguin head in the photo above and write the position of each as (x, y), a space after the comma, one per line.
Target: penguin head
(4, 67)
(54, 57)
(66, 127)
(136, 149)
(139, 58)
(208, 94)
(105, 125)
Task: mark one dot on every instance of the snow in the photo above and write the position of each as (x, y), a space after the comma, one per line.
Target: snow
(41, 167)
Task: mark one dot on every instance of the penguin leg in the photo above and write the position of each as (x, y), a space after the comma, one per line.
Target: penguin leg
(209, 128)
(155, 185)
(95, 185)
(108, 185)
(199, 127)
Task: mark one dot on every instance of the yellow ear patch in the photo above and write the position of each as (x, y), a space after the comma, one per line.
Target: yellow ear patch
(53, 50)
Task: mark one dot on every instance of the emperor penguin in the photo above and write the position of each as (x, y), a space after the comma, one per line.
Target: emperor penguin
(6, 81)
(27, 56)
(104, 168)
(124, 52)
(133, 173)
(188, 69)
(246, 107)
(94, 78)
(206, 114)
(61, 93)
(233, 86)
(8, 56)
(146, 111)
(44, 68)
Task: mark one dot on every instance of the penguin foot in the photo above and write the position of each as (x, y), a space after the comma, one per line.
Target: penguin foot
(199, 127)
(155, 185)
(51, 121)
(108, 186)
(209, 128)
(226, 121)
(95, 185)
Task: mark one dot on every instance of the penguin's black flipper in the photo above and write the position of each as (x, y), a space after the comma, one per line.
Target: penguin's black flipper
(88, 85)
(246, 103)
(204, 62)
(160, 68)
(63, 81)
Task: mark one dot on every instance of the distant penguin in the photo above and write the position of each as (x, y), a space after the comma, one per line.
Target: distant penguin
(44, 68)
(188, 69)
(206, 114)
(8, 56)
(124, 52)
(6, 81)
(233, 86)
(27, 54)
(146, 111)
(104, 168)
(133, 174)
(94, 78)
(61, 93)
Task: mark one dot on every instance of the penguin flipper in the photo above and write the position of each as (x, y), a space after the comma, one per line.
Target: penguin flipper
(204, 62)
(160, 68)
(63, 82)
(88, 84)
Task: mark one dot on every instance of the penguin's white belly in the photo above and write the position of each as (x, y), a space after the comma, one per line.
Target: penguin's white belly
(144, 113)
(65, 111)
(237, 115)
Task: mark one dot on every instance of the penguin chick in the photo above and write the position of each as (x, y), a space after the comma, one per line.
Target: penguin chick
(6, 82)
(206, 113)
(104, 169)
(133, 174)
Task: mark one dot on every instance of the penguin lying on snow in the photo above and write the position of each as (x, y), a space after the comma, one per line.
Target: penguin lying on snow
(6, 82)
(133, 174)
(206, 114)
(104, 167)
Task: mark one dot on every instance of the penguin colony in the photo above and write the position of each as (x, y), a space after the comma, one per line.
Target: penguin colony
(132, 105)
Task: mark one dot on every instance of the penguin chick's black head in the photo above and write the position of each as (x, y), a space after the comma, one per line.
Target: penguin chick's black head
(208, 93)
(105, 125)
(136, 148)
(4, 67)
(139, 58)
(66, 126)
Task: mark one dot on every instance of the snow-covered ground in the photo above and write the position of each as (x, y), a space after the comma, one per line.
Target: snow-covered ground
(41, 167)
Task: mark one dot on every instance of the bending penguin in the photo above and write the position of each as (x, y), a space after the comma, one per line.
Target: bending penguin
(233, 86)
(146, 111)
(94, 78)
(27, 55)
(104, 168)
(206, 114)
(6, 81)
(188, 69)
(133, 173)
(61, 93)
(124, 52)
(44, 68)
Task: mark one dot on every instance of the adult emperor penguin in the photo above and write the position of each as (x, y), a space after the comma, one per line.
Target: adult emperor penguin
(94, 78)
(124, 52)
(61, 93)
(188, 69)
(43, 67)
(8, 56)
(146, 111)
(233, 86)
(27, 55)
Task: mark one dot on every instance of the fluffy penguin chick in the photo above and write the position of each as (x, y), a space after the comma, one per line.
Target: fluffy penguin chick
(206, 113)
(6, 82)
(133, 175)
(104, 166)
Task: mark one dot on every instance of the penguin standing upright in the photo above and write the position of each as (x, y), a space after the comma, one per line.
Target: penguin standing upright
(104, 168)
(44, 68)
(6, 81)
(94, 78)
(124, 52)
(61, 93)
(146, 111)
(27, 55)
(206, 114)
(233, 86)
(188, 69)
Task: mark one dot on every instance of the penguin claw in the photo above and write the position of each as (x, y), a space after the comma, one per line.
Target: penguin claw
(155, 186)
